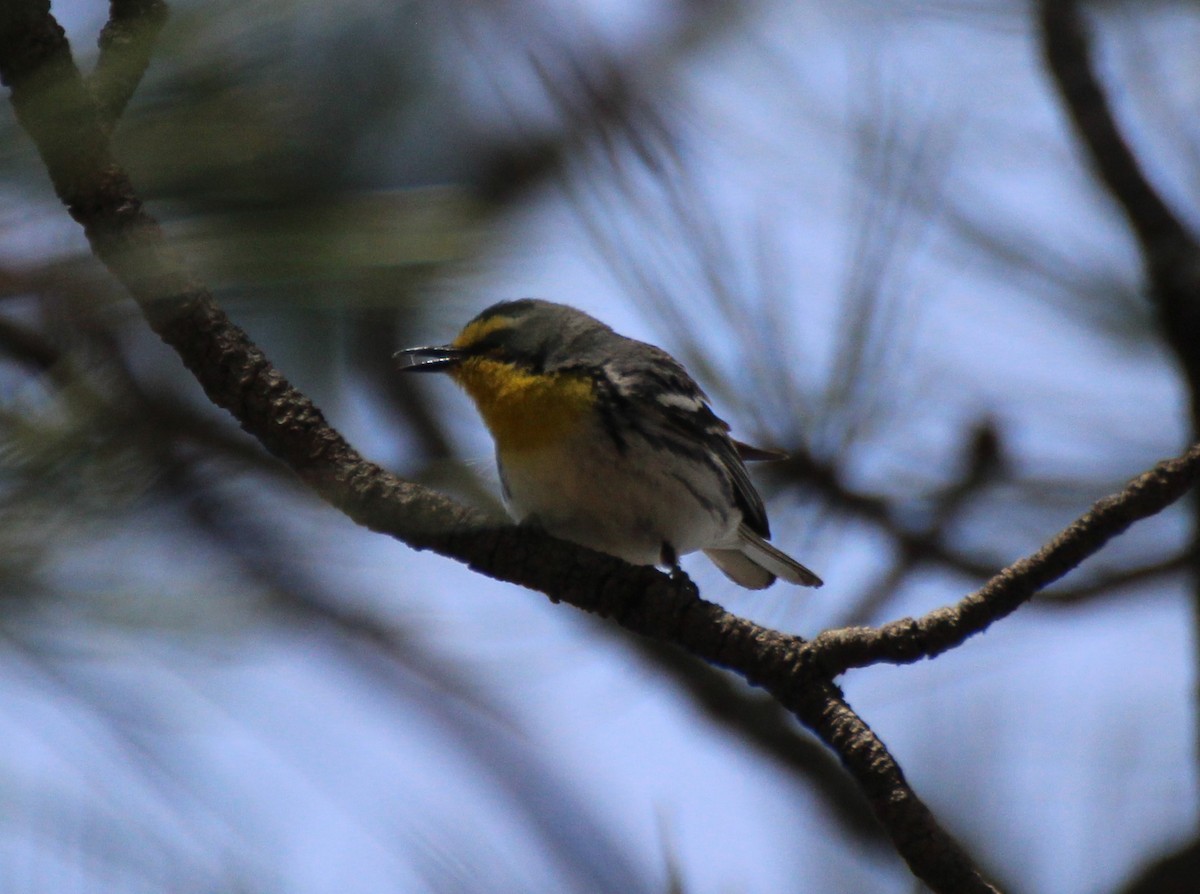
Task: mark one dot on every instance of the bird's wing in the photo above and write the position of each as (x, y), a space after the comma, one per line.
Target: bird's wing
(671, 411)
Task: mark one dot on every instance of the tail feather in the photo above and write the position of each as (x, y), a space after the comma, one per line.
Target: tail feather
(740, 569)
(773, 560)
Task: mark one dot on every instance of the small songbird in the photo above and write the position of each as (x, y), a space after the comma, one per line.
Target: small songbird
(607, 442)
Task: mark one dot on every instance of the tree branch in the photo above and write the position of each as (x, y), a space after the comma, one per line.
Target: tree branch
(909, 640)
(1170, 252)
(126, 44)
(1067, 51)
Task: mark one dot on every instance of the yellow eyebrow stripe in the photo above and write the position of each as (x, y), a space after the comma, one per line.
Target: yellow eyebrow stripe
(480, 329)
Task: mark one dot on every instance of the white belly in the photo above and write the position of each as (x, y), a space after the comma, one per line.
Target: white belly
(625, 505)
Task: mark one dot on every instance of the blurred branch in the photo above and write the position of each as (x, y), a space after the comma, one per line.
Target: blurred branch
(1171, 254)
(1175, 873)
(1169, 251)
(909, 640)
(171, 420)
(1064, 597)
(374, 343)
(126, 44)
(26, 347)
(761, 721)
(918, 545)
(601, 104)
(209, 827)
(264, 556)
(983, 461)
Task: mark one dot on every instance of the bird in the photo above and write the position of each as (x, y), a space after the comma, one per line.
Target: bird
(607, 442)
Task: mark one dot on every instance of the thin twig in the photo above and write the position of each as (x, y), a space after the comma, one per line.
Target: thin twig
(910, 640)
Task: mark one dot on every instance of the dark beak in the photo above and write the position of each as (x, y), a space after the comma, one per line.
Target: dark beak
(435, 359)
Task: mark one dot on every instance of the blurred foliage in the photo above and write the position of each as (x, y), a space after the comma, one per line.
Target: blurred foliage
(869, 254)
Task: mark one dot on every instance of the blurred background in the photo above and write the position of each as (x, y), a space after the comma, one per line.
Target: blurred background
(868, 231)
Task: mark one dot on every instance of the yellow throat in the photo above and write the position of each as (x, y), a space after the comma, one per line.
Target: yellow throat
(524, 410)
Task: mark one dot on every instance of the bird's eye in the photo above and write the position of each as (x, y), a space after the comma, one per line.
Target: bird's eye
(491, 345)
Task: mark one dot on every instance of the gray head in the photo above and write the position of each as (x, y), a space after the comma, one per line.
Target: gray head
(529, 333)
